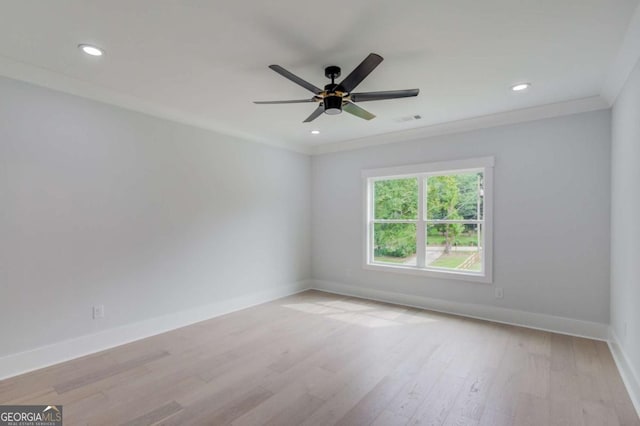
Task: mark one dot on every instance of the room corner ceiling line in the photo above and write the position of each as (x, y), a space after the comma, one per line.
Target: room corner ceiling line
(53, 80)
(56, 81)
(559, 109)
(625, 61)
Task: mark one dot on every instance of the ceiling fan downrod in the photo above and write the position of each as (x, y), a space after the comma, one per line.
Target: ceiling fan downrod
(333, 100)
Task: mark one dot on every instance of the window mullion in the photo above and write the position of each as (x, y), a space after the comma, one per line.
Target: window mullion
(370, 221)
(420, 226)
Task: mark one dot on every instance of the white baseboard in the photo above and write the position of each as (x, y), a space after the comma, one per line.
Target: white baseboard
(34, 359)
(628, 373)
(562, 325)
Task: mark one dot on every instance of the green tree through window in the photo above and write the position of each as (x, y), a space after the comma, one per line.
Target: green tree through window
(429, 219)
(452, 211)
(395, 199)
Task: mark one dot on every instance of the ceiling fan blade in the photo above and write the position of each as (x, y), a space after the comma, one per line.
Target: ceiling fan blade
(361, 72)
(354, 109)
(315, 114)
(289, 75)
(296, 101)
(379, 96)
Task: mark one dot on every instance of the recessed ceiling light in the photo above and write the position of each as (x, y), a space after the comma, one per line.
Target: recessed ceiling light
(520, 87)
(90, 50)
(315, 132)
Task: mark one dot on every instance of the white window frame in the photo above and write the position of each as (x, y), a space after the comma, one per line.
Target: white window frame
(422, 171)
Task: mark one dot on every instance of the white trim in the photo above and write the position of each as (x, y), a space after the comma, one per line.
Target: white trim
(56, 81)
(421, 227)
(23, 362)
(545, 322)
(626, 59)
(487, 230)
(420, 172)
(629, 375)
(577, 106)
(428, 272)
(456, 166)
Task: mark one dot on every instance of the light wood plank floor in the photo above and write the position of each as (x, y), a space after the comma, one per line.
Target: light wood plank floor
(321, 359)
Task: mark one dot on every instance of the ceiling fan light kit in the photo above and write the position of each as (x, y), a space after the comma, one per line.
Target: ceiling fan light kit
(332, 104)
(338, 97)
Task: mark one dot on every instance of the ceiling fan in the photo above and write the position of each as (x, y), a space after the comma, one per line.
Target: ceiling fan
(338, 97)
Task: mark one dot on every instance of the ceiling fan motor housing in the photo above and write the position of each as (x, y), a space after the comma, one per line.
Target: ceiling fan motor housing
(335, 96)
(332, 104)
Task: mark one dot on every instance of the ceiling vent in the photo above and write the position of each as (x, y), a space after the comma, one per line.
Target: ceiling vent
(408, 118)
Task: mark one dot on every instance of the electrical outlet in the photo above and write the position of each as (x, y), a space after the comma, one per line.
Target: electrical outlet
(498, 293)
(98, 311)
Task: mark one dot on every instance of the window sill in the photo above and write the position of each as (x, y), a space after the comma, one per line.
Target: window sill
(411, 270)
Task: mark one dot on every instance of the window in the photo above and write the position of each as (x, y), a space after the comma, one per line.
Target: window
(431, 219)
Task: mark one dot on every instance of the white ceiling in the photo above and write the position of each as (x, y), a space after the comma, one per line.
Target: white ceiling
(204, 62)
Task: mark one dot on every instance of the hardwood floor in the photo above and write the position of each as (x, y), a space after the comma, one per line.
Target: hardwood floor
(320, 359)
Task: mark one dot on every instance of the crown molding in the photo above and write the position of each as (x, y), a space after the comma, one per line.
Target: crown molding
(60, 82)
(559, 109)
(56, 81)
(625, 61)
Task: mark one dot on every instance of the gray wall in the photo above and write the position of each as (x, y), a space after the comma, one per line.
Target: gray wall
(625, 220)
(100, 205)
(551, 221)
(148, 217)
